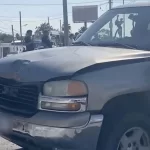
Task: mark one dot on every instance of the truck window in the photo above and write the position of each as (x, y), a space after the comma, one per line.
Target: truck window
(127, 26)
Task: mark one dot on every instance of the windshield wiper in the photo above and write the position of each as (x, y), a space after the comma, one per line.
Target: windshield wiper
(80, 43)
(116, 44)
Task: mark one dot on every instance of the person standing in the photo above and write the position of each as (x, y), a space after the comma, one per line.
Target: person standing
(46, 40)
(28, 41)
(71, 39)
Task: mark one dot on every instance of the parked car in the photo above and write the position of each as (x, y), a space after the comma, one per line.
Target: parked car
(94, 95)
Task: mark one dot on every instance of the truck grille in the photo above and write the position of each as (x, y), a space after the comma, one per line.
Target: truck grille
(19, 98)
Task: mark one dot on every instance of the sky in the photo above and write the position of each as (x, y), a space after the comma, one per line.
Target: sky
(33, 16)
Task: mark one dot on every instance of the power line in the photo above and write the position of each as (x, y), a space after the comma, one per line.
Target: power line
(16, 31)
(53, 4)
(51, 17)
(57, 17)
(4, 28)
(14, 17)
(34, 20)
(5, 24)
(44, 20)
(1, 31)
(47, 4)
(87, 2)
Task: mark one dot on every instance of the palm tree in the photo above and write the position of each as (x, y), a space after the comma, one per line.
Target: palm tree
(44, 26)
(40, 29)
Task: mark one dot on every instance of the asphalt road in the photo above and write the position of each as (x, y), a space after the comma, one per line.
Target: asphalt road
(5, 145)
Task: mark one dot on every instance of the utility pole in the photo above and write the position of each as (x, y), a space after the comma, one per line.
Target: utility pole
(110, 4)
(110, 25)
(65, 16)
(124, 22)
(20, 25)
(12, 28)
(60, 26)
(60, 33)
(48, 21)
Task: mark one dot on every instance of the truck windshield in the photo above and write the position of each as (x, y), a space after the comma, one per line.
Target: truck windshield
(123, 27)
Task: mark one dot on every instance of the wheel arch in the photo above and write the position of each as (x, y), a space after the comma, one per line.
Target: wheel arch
(137, 101)
(116, 108)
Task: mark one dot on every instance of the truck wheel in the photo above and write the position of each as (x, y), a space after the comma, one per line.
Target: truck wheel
(130, 132)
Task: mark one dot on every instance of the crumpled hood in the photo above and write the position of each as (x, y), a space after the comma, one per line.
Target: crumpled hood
(42, 65)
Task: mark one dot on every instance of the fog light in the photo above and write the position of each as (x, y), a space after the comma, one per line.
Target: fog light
(60, 106)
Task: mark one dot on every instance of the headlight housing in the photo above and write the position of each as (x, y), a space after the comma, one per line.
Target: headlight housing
(66, 96)
(65, 88)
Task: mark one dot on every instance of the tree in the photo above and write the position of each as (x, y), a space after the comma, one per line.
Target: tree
(44, 26)
(82, 29)
(6, 38)
(41, 28)
(69, 27)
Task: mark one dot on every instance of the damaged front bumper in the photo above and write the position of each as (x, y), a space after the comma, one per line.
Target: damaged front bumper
(60, 136)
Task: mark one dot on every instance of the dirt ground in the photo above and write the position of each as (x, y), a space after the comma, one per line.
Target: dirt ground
(5, 145)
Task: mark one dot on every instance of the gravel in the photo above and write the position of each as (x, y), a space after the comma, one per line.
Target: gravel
(5, 145)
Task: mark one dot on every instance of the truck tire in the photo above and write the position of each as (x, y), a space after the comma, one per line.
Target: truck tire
(129, 132)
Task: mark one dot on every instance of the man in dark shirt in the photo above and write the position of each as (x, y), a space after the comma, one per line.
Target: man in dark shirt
(45, 40)
(28, 41)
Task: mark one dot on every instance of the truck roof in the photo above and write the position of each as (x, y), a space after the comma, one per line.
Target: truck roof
(135, 4)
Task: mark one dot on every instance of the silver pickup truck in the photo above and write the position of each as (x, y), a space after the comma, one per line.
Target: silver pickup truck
(93, 95)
